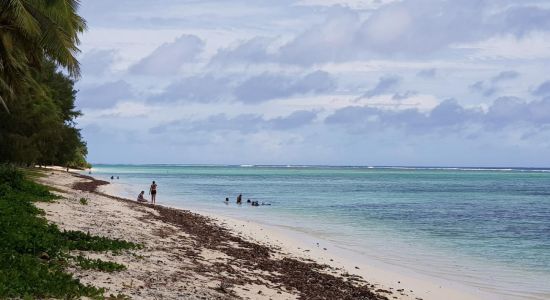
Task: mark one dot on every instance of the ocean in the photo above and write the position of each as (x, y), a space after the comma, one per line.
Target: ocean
(486, 228)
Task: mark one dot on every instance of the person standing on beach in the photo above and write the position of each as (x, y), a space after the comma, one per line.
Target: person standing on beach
(153, 192)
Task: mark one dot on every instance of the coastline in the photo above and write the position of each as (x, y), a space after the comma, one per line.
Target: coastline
(306, 245)
(285, 244)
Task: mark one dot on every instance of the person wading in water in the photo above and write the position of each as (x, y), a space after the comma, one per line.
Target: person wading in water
(153, 192)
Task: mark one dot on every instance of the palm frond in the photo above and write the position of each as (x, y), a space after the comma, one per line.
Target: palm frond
(4, 104)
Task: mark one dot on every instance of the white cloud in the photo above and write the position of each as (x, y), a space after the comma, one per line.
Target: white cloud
(168, 58)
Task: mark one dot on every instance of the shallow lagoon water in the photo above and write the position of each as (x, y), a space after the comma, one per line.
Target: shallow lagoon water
(488, 228)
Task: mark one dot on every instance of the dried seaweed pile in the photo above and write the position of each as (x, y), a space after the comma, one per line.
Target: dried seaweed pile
(88, 186)
(303, 277)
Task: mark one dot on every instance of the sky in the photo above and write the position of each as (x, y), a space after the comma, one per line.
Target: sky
(323, 82)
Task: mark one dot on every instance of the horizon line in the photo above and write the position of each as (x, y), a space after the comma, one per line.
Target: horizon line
(328, 165)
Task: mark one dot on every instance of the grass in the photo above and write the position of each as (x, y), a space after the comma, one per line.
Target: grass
(33, 253)
(33, 173)
(98, 264)
(83, 201)
(36, 173)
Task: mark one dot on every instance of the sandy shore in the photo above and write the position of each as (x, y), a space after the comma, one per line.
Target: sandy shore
(197, 256)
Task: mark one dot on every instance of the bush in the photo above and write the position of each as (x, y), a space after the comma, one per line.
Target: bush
(11, 176)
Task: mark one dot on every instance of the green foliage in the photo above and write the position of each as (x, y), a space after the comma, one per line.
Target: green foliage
(31, 31)
(98, 264)
(13, 180)
(32, 251)
(78, 240)
(27, 276)
(11, 176)
(83, 201)
(37, 112)
(33, 173)
(39, 129)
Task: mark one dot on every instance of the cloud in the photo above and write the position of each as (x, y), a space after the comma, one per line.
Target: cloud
(205, 89)
(104, 95)
(384, 85)
(505, 75)
(426, 26)
(294, 120)
(483, 88)
(314, 82)
(521, 20)
(427, 73)
(243, 123)
(169, 57)
(450, 113)
(446, 118)
(250, 51)
(209, 88)
(97, 62)
(511, 110)
(422, 26)
(263, 87)
(413, 28)
(543, 89)
(490, 87)
(268, 86)
(404, 95)
(333, 40)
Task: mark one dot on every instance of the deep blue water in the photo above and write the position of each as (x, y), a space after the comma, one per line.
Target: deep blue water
(461, 218)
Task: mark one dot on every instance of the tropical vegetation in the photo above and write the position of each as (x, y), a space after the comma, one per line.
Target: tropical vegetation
(38, 47)
(35, 254)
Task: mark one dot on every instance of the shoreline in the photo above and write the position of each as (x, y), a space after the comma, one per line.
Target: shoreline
(389, 277)
(307, 245)
(186, 255)
(389, 283)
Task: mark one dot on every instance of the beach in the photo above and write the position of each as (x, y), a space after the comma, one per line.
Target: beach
(189, 255)
(299, 149)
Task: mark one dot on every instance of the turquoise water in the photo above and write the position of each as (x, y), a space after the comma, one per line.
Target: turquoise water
(488, 228)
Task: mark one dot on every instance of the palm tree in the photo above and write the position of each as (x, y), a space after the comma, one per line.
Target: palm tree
(32, 30)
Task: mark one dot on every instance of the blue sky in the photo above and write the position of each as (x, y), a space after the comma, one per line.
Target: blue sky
(372, 82)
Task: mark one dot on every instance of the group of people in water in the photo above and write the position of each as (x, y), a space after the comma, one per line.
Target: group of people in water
(240, 201)
(152, 192)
